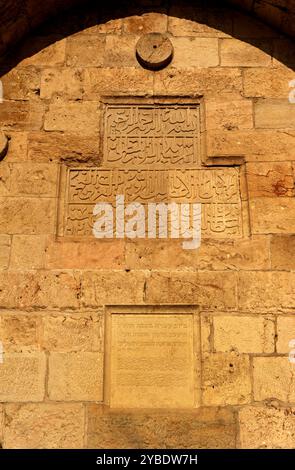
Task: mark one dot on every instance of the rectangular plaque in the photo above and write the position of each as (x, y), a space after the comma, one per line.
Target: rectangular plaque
(217, 190)
(145, 134)
(152, 361)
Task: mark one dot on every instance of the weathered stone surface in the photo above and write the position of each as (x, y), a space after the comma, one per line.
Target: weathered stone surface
(71, 117)
(266, 291)
(270, 179)
(21, 115)
(154, 51)
(65, 82)
(20, 332)
(211, 290)
(283, 252)
(39, 289)
(48, 55)
(267, 82)
(195, 52)
(44, 425)
(21, 84)
(238, 254)
(236, 53)
(145, 23)
(117, 287)
(27, 215)
(286, 333)
(17, 148)
(22, 377)
(73, 332)
(209, 81)
(33, 179)
(273, 379)
(27, 252)
(272, 215)
(85, 51)
(120, 51)
(57, 147)
(202, 428)
(226, 379)
(274, 114)
(75, 376)
(232, 333)
(267, 428)
(256, 145)
(129, 80)
(3, 145)
(229, 114)
(5, 243)
(100, 254)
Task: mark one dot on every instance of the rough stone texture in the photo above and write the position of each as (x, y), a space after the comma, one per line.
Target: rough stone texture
(231, 333)
(272, 215)
(286, 333)
(226, 379)
(203, 428)
(27, 252)
(22, 377)
(283, 252)
(267, 428)
(5, 243)
(75, 376)
(273, 379)
(20, 332)
(44, 425)
(73, 332)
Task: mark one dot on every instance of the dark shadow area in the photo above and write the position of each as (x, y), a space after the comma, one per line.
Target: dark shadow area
(229, 20)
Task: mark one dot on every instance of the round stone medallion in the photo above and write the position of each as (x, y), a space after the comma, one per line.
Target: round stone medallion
(154, 51)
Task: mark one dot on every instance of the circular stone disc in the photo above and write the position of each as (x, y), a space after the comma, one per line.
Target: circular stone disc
(154, 51)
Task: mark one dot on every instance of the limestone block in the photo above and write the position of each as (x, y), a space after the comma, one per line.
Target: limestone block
(207, 81)
(146, 23)
(273, 379)
(27, 252)
(75, 376)
(85, 51)
(245, 253)
(120, 50)
(272, 215)
(22, 377)
(68, 147)
(21, 84)
(21, 115)
(17, 148)
(117, 287)
(195, 52)
(34, 179)
(47, 55)
(229, 114)
(266, 291)
(202, 428)
(270, 179)
(73, 332)
(236, 53)
(213, 290)
(243, 334)
(267, 82)
(274, 114)
(66, 83)
(39, 289)
(20, 332)
(27, 215)
(128, 80)
(44, 425)
(283, 252)
(256, 145)
(226, 379)
(79, 117)
(267, 428)
(286, 333)
(102, 254)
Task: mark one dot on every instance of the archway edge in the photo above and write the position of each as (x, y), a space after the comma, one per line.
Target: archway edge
(19, 17)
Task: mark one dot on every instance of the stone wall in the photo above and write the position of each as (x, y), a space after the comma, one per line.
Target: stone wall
(55, 291)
